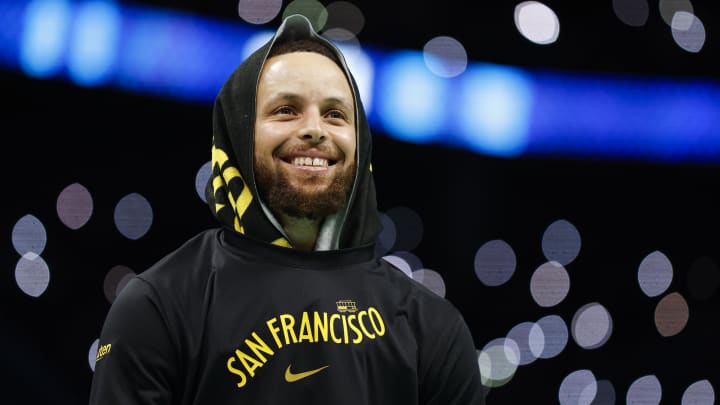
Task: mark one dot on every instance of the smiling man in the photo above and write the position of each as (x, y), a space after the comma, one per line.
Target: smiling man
(304, 139)
(286, 302)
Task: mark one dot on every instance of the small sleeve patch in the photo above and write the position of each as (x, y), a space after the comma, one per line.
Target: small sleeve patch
(103, 351)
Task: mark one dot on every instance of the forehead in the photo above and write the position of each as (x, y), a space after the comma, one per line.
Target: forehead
(308, 69)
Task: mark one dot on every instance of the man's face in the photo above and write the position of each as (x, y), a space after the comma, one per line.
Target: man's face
(304, 135)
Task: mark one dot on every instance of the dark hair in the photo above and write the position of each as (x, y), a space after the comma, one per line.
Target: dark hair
(303, 45)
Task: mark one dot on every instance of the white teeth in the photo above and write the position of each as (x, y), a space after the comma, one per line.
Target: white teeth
(308, 161)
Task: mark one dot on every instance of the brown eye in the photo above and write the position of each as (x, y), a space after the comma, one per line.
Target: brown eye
(284, 110)
(336, 114)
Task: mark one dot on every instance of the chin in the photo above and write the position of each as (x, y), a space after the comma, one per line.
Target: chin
(309, 190)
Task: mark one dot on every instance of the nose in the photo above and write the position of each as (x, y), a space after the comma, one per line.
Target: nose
(312, 130)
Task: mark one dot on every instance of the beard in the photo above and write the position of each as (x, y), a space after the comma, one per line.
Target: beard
(303, 202)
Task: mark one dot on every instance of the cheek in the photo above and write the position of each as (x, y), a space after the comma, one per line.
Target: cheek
(266, 140)
(260, 145)
(346, 141)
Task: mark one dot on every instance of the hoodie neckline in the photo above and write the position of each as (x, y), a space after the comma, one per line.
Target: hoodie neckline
(336, 259)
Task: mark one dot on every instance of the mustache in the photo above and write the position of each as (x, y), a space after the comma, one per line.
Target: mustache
(321, 150)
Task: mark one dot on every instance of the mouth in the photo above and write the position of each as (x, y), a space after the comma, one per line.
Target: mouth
(309, 159)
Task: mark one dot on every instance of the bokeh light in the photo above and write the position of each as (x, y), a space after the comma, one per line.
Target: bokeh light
(688, 31)
(498, 362)
(555, 335)
(605, 393)
(410, 258)
(312, 9)
(386, 239)
(445, 56)
(537, 22)
(655, 274)
(400, 263)
(699, 393)
(644, 390)
(74, 206)
(430, 279)
(682, 21)
(530, 340)
(668, 8)
(408, 227)
(201, 179)
(133, 216)
(258, 11)
(561, 242)
(671, 314)
(549, 284)
(341, 36)
(591, 326)
(92, 354)
(578, 388)
(495, 263)
(632, 12)
(115, 281)
(346, 16)
(29, 236)
(703, 278)
(32, 275)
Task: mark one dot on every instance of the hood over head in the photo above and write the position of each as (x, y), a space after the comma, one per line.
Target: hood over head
(232, 192)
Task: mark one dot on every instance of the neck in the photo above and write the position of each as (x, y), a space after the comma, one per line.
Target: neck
(302, 232)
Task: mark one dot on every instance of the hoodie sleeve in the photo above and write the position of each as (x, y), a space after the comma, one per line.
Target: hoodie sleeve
(449, 370)
(136, 362)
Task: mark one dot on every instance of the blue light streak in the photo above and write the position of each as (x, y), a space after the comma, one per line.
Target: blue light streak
(94, 42)
(177, 55)
(490, 109)
(44, 38)
(411, 99)
(653, 119)
(493, 110)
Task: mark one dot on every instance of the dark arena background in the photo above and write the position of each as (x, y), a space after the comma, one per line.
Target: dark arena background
(551, 168)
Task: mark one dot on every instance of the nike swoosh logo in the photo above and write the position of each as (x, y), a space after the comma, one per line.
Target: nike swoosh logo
(292, 377)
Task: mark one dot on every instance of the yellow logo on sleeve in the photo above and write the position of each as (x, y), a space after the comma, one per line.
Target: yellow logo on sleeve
(102, 351)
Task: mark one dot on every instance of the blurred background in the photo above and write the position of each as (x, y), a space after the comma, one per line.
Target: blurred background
(549, 167)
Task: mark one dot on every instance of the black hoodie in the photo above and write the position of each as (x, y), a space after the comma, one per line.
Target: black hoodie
(236, 316)
(233, 176)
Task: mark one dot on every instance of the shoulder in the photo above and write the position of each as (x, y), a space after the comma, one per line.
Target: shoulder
(190, 260)
(202, 243)
(180, 278)
(170, 290)
(424, 306)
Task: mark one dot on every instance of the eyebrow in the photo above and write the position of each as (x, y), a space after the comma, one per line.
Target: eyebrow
(292, 97)
(286, 96)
